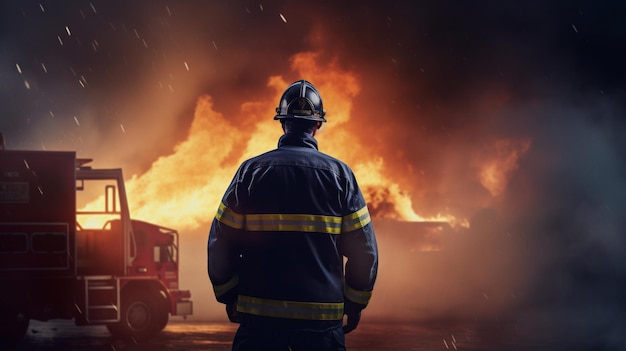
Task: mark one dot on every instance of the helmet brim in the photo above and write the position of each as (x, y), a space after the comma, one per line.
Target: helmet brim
(308, 118)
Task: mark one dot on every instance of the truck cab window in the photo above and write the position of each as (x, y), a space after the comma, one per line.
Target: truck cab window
(97, 202)
(164, 253)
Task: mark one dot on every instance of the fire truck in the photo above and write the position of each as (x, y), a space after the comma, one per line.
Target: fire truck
(69, 250)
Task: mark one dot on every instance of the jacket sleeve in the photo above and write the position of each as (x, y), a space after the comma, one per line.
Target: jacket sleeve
(223, 255)
(222, 263)
(358, 244)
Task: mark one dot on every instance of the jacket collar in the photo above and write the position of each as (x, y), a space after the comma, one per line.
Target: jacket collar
(297, 139)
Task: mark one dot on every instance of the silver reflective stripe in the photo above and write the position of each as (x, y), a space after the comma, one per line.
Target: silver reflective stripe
(358, 296)
(229, 217)
(293, 223)
(220, 290)
(356, 220)
(290, 309)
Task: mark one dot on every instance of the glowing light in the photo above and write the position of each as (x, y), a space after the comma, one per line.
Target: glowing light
(497, 164)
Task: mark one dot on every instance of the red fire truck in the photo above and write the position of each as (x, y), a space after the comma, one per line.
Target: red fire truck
(95, 265)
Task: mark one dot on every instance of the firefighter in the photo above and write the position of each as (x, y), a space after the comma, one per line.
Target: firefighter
(277, 244)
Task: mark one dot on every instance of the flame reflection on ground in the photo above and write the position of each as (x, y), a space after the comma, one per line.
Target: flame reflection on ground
(371, 335)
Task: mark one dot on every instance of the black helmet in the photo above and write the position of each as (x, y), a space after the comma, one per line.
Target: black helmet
(301, 100)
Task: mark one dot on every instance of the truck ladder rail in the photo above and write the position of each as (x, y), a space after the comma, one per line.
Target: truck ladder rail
(102, 299)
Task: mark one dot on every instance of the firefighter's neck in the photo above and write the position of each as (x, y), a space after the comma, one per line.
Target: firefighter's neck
(286, 130)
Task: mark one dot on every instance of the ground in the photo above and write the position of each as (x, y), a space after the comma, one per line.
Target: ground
(371, 335)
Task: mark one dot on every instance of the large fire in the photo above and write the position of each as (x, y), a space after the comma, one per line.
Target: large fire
(183, 189)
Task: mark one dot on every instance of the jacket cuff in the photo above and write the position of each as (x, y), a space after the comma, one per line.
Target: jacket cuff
(359, 297)
(227, 292)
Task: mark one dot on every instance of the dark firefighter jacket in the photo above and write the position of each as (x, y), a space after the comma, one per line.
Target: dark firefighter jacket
(278, 241)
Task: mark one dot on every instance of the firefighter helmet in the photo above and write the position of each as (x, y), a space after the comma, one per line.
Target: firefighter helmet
(301, 100)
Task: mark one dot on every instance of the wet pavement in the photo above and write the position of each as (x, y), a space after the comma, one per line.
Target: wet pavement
(190, 336)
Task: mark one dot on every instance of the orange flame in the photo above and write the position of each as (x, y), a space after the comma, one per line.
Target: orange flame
(496, 166)
(183, 189)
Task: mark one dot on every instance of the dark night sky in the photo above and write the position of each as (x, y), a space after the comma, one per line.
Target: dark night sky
(437, 77)
(448, 50)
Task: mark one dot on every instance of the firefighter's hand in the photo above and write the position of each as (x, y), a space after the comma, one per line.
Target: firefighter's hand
(353, 313)
(352, 321)
(231, 311)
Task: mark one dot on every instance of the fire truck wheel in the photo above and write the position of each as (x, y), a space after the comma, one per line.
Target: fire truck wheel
(141, 317)
(162, 312)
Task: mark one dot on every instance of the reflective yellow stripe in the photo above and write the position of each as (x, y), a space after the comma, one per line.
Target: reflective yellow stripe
(229, 217)
(358, 296)
(293, 223)
(356, 220)
(290, 309)
(224, 288)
